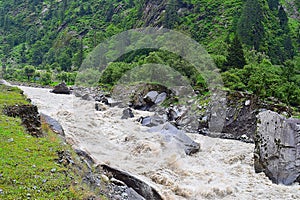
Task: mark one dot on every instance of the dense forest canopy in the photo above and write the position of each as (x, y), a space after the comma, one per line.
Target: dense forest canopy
(254, 43)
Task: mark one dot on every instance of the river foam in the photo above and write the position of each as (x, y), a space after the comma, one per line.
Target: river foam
(223, 169)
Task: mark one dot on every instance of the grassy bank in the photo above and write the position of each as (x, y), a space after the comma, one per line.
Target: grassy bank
(33, 168)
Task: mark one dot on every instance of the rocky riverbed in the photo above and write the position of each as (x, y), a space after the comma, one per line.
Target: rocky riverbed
(222, 169)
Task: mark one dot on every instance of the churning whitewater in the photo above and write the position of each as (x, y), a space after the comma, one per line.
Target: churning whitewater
(223, 169)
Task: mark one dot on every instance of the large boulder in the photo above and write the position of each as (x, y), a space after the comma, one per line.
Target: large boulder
(61, 88)
(53, 124)
(172, 134)
(277, 148)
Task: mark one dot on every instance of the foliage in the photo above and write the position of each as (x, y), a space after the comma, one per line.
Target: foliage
(250, 26)
(55, 37)
(236, 56)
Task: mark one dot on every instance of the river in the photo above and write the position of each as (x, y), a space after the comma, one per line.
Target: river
(223, 169)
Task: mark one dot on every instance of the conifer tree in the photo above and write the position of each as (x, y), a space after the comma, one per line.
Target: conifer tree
(250, 26)
(236, 56)
(171, 16)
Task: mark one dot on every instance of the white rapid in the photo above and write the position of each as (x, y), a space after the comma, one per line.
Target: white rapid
(223, 169)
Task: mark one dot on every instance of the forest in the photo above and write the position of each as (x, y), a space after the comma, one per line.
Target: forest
(254, 43)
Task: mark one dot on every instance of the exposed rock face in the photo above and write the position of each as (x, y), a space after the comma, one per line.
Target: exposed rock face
(29, 116)
(241, 111)
(277, 148)
(61, 88)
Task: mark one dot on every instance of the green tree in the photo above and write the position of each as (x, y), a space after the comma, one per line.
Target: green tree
(236, 56)
(29, 71)
(171, 16)
(283, 19)
(273, 4)
(250, 26)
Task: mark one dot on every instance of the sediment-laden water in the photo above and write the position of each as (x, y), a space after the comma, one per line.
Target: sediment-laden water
(223, 169)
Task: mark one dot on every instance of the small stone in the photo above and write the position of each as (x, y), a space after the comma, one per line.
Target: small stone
(247, 103)
(53, 170)
(44, 181)
(10, 140)
(28, 195)
(104, 178)
(125, 195)
(1, 191)
(33, 166)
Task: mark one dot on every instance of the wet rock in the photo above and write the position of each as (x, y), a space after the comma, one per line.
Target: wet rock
(144, 190)
(183, 118)
(127, 113)
(172, 114)
(86, 97)
(150, 97)
(161, 98)
(151, 121)
(171, 132)
(99, 107)
(277, 148)
(53, 124)
(61, 88)
(29, 116)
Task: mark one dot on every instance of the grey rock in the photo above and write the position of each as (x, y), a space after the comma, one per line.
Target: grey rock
(161, 98)
(151, 121)
(53, 123)
(277, 148)
(171, 132)
(61, 88)
(247, 103)
(127, 113)
(132, 194)
(144, 190)
(1, 191)
(151, 96)
(87, 97)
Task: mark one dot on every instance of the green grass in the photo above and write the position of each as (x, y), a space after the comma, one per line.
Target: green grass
(28, 165)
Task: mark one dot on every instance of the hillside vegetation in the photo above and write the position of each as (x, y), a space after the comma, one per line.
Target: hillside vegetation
(254, 43)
